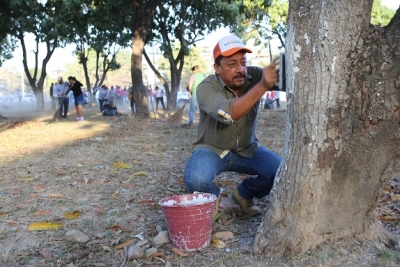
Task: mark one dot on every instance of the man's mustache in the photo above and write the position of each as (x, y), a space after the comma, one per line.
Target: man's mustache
(240, 75)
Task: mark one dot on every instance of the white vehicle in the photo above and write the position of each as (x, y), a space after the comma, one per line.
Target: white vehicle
(181, 98)
(29, 98)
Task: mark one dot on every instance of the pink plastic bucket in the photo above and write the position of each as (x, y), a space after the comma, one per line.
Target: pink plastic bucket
(189, 219)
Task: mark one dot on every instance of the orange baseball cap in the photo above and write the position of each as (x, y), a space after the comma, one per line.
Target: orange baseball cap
(228, 46)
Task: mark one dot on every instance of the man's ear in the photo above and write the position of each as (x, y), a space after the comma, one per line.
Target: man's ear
(216, 68)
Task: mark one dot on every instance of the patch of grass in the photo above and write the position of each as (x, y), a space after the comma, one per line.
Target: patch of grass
(90, 224)
(389, 256)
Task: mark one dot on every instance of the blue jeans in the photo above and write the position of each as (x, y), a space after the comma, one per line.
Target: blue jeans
(278, 105)
(101, 102)
(205, 164)
(193, 107)
(64, 104)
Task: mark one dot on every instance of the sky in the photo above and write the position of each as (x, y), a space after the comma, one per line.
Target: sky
(62, 56)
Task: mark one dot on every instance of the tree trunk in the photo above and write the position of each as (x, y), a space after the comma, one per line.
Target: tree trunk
(342, 132)
(144, 12)
(140, 92)
(84, 61)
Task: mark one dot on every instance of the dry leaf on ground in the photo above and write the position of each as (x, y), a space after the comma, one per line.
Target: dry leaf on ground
(38, 226)
(180, 252)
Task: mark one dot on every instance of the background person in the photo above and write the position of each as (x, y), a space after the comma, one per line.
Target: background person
(102, 95)
(159, 95)
(60, 90)
(229, 103)
(276, 99)
(76, 89)
(110, 98)
(20, 96)
(194, 81)
(52, 97)
(132, 100)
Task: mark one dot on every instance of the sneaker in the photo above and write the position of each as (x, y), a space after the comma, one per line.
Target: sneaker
(77, 119)
(246, 205)
(82, 119)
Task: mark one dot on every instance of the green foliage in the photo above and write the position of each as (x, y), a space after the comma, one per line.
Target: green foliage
(179, 24)
(264, 22)
(194, 57)
(99, 28)
(7, 47)
(381, 15)
(120, 76)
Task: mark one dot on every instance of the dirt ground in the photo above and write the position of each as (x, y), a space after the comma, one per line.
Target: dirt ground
(99, 183)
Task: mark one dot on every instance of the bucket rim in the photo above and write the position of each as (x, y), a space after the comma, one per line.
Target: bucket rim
(212, 198)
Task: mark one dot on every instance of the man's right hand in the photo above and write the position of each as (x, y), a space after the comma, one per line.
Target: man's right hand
(270, 76)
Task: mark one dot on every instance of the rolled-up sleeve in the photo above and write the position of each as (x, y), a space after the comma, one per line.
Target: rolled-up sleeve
(216, 103)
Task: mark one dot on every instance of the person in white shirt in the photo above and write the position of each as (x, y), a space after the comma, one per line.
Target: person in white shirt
(60, 89)
(159, 95)
(276, 99)
(103, 92)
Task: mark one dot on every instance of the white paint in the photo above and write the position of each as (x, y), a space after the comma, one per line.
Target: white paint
(306, 38)
(296, 52)
(196, 199)
(334, 63)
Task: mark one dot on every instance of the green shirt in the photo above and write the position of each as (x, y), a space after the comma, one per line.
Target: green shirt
(197, 78)
(217, 130)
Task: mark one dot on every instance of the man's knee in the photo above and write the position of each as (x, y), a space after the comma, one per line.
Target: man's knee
(193, 181)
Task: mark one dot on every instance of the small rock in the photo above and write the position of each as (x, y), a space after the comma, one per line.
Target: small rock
(169, 264)
(77, 236)
(135, 252)
(149, 252)
(113, 212)
(224, 235)
(141, 243)
(102, 235)
(107, 248)
(162, 238)
(158, 228)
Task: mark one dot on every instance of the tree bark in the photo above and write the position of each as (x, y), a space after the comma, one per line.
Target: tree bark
(140, 93)
(342, 131)
(144, 12)
(35, 84)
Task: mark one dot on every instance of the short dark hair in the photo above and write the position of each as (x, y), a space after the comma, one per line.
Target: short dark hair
(218, 60)
(194, 67)
(71, 78)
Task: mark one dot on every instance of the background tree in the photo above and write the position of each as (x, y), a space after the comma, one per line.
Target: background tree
(7, 45)
(263, 22)
(195, 57)
(381, 14)
(98, 27)
(140, 21)
(43, 20)
(187, 22)
(342, 135)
